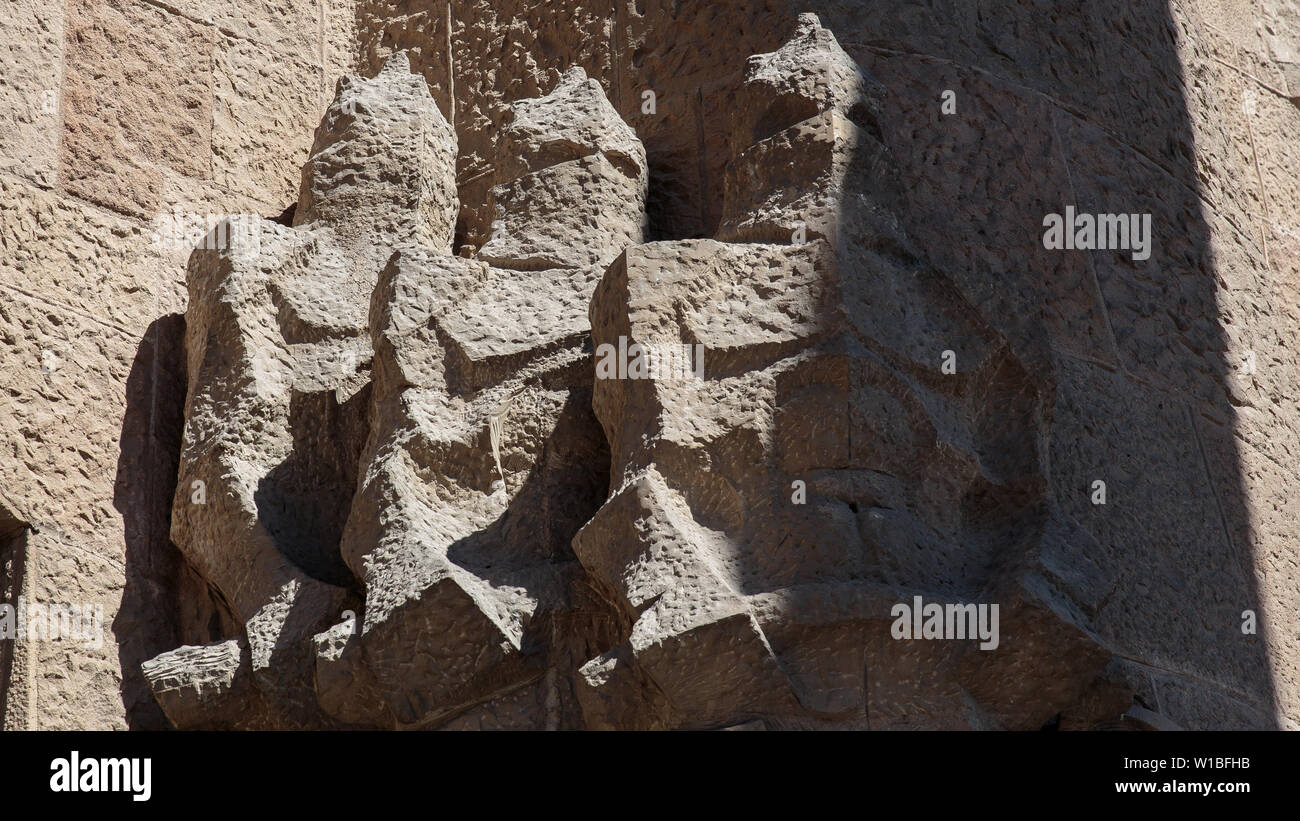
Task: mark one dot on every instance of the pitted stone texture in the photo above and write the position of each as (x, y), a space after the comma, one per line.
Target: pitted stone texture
(822, 366)
(519, 315)
(245, 433)
(459, 565)
(808, 155)
(123, 60)
(574, 121)
(282, 27)
(968, 486)
(279, 368)
(810, 74)
(346, 688)
(263, 113)
(578, 197)
(380, 167)
(195, 683)
(573, 214)
(694, 638)
(485, 458)
(30, 90)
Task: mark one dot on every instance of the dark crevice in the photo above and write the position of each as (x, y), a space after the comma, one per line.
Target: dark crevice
(13, 565)
(304, 501)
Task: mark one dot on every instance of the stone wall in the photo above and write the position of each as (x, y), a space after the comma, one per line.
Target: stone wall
(1173, 381)
(114, 113)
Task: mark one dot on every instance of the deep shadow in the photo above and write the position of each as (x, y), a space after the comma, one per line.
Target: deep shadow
(13, 567)
(148, 620)
(557, 497)
(285, 217)
(530, 546)
(166, 603)
(1086, 103)
(1121, 364)
(304, 501)
(1091, 365)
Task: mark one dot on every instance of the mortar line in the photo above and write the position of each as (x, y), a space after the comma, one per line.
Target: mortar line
(49, 303)
(106, 559)
(1088, 261)
(1259, 177)
(1214, 493)
(1148, 668)
(1247, 74)
(1174, 396)
(105, 211)
(234, 35)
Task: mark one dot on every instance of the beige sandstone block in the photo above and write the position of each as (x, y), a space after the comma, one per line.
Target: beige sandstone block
(264, 111)
(284, 29)
(31, 48)
(59, 251)
(137, 103)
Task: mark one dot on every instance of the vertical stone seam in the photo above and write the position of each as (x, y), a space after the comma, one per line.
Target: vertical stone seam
(703, 167)
(615, 64)
(1087, 260)
(212, 109)
(1214, 492)
(1235, 65)
(451, 70)
(63, 81)
(320, 23)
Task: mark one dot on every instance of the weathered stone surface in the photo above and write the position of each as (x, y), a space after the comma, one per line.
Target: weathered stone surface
(578, 182)
(255, 107)
(346, 688)
(111, 155)
(243, 531)
(192, 683)
(808, 75)
(30, 90)
(282, 27)
(339, 47)
(277, 346)
(433, 496)
(473, 457)
(377, 171)
(485, 458)
(110, 121)
(573, 121)
(852, 321)
(544, 226)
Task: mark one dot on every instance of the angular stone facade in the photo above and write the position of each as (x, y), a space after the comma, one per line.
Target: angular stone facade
(405, 462)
